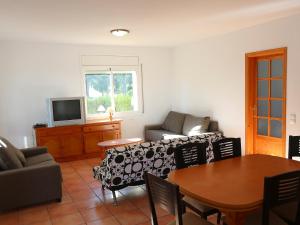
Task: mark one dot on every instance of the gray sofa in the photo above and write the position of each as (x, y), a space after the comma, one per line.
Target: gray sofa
(27, 176)
(178, 125)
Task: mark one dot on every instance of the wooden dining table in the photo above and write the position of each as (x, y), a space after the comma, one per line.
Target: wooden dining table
(234, 186)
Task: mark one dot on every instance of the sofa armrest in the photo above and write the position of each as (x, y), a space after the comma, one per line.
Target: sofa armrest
(28, 152)
(30, 185)
(213, 126)
(49, 168)
(153, 127)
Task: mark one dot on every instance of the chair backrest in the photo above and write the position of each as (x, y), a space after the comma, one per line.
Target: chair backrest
(190, 154)
(162, 193)
(281, 189)
(227, 148)
(294, 146)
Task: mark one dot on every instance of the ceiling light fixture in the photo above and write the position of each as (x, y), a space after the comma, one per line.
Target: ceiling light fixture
(119, 32)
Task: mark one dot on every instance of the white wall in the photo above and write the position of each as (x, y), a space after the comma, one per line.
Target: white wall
(209, 76)
(30, 73)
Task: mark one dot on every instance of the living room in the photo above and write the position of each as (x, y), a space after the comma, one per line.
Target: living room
(187, 57)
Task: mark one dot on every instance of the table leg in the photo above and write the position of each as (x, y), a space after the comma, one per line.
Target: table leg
(235, 218)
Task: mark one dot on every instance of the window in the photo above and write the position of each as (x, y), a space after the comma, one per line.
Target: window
(116, 89)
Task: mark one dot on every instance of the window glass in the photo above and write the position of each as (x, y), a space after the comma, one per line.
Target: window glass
(117, 90)
(123, 92)
(98, 89)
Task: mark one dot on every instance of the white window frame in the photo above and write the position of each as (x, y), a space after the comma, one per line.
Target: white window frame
(105, 69)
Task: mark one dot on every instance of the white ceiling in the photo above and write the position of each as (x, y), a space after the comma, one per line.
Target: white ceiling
(151, 22)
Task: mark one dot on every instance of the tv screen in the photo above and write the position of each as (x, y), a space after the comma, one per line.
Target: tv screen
(66, 110)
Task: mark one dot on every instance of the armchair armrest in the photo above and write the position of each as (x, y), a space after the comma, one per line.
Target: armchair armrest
(28, 152)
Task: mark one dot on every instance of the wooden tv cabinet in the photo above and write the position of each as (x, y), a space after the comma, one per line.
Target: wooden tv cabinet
(72, 142)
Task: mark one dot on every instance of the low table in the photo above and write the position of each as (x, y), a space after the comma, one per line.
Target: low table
(119, 142)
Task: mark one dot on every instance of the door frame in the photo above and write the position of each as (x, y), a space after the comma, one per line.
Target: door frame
(250, 67)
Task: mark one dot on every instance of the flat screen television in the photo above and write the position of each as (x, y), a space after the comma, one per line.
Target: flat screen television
(67, 111)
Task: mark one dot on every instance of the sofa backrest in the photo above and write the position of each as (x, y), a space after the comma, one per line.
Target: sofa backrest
(9, 155)
(126, 164)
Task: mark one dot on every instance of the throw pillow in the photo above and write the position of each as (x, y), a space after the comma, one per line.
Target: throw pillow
(10, 156)
(2, 144)
(195, 125)
(174, 122)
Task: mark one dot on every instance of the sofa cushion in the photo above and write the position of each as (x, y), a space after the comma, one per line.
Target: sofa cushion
(9, 155)
(174, 122)
(3, 165)
(195, 125)
(37, 159)
(21, 157)
(157, 135)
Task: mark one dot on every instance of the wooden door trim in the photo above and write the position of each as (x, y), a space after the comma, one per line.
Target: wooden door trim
(250, 59)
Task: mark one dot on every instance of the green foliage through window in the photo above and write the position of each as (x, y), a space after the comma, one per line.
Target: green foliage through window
(100, 95)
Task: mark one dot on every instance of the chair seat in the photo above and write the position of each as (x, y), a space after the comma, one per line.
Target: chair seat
(287, 211)
(197, 204)
(37, 159)
(192, 219)
(256, 219)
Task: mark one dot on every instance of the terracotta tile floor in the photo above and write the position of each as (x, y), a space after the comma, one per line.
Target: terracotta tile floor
(84, 203)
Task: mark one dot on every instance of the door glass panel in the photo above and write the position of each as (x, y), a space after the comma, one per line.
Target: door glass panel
(262, 127)
(276, 68)
(262, 89)
(276, 128)
(276, 88)
(262, 108)
(276, 109)
(262, 69)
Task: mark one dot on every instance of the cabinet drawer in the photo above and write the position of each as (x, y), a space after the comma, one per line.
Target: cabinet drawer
(57, 131)
(101, 127)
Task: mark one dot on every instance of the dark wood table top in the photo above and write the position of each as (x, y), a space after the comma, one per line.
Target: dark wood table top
(233, 184)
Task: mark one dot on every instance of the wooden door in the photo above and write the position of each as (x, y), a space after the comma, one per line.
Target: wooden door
(266, 102)
(72, 145)
(91, 141)
(53, 144)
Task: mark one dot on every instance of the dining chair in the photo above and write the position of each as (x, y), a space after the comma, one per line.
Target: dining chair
(162, 193)
(294, 147)
(227, 148)
(192, 154)
(281, 203)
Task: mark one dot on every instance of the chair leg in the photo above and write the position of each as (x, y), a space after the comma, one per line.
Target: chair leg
(115, 198)
(219, 217)
(183, 208)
